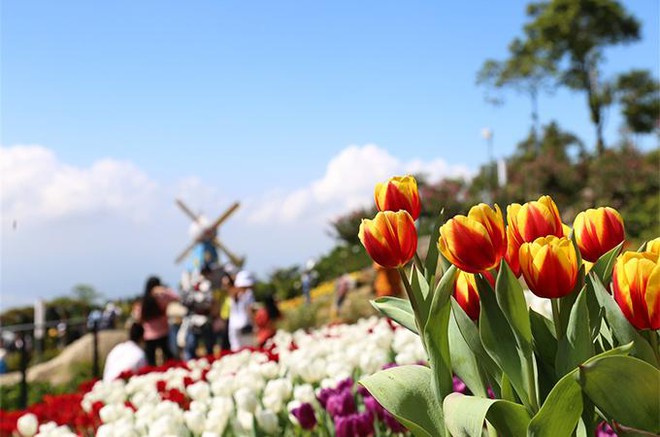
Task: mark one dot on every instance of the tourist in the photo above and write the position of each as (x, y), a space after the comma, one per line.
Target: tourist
(126, 356)
(199, 301)
(153, 317)
(265, 319)
(240, 314)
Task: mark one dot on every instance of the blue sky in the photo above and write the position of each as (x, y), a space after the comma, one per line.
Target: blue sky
(217, 101)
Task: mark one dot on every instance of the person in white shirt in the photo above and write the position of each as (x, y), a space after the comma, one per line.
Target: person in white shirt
(126, 356)
(241, 326)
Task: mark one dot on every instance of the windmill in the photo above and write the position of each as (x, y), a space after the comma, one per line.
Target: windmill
(208, 234)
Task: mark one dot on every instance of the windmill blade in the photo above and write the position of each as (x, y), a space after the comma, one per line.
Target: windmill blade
(187, 250)
(187, 210)
(235, 260)
(223, 217)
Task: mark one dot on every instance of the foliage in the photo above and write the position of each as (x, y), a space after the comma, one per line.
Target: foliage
(10, 394)
(87, 294)
(342, 259)
(283, 283)
(344, 228)
(639, 95)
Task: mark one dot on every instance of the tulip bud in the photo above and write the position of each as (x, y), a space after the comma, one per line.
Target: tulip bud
(475, 243)
(636, 287)
(598, 231)
(399, 192)
(466, 293)
(549, 266)
(390, 238)
(528, 222)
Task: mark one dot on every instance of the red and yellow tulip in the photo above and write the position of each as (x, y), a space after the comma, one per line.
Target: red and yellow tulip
(466, 293)
(549, 266)
(399, 192)
(390, 238)
(636, 288)
(653, 246)
(597, 231)
(526, 223)
(475, 243)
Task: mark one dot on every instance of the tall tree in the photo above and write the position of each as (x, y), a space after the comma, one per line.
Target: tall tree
(523, 71)
(639, 95)
(571, 35)
(86, 294)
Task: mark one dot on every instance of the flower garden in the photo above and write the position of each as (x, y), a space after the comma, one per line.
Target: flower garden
(464, 355)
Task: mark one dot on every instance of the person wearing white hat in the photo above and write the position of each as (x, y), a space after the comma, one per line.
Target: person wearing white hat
(241, 312)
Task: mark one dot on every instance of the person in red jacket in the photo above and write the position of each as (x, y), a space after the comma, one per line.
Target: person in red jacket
(266, 319)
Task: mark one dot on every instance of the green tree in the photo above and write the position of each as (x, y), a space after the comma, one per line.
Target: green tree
(86, 294)
(523, 71)
(638, 93)
(571, 35)
(559, 170)
(345, 228)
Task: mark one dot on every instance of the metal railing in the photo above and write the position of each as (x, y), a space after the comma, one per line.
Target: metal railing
(29, 339)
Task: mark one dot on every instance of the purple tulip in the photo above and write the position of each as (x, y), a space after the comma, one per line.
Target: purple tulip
(341, 404)
(389, 366)
(363, 391)
(364, 423)
(354, 425)
(604, 430)
(459, 386)
(305, 416)
(345, 384)
(374, 407)
(392, 423)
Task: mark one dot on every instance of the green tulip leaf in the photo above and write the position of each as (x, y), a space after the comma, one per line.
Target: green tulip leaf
(625, 389)
(436, 334)
(465, 416)
(561, 411)
(544, 338)
(545, 348)
(511, 300)
(576, 346)
(398, 310)
(605, 264)
(470, 334)
(500, 342)
(622, 330)
(420, 298)
(407, 393)
(464, 362)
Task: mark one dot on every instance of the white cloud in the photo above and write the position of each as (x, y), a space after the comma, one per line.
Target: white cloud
(38, 187)
(346, 185)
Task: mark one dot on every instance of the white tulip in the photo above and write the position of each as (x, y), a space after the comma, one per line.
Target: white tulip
(194, 421)
(244, 421)
(246, 400)
(27, 425)
(199, 391)
(267, 421)
(304, 393)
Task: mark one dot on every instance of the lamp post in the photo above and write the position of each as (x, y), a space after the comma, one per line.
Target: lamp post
(487, 134)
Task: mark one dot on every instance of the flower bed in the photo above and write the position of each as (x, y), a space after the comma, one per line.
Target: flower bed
(303, 384)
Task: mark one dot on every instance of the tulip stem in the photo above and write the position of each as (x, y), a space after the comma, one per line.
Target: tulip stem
(411, 296)
(559, 330)
(653, 339)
